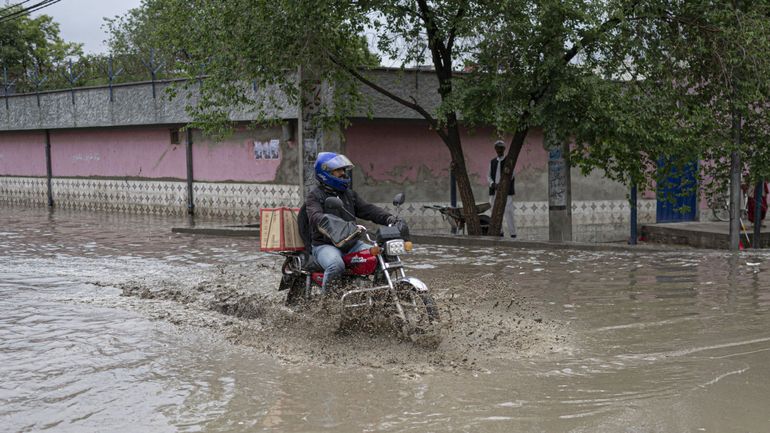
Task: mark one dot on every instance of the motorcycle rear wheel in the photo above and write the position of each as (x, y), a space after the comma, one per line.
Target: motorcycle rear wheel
(296, 293)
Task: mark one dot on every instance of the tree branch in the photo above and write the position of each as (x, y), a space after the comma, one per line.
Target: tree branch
(453, 29)
(409, 11)
(379, 89)
(591, 35)
(441, 58)
(588, 37)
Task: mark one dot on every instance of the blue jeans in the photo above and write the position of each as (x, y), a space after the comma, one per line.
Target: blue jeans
(330, 258)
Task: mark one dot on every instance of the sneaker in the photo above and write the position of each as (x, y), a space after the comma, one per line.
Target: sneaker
(513, 236)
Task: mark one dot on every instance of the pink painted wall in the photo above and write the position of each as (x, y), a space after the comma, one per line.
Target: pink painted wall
(396, 150)
(145, 153)
(139, 153)
(233, 159)
(22, 154)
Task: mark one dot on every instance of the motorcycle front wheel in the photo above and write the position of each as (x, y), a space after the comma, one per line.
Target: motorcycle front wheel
(422, 317)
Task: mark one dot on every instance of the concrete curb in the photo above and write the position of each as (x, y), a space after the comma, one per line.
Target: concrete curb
(461, 240)
(702, 235)
(218, 231)
(486, 241)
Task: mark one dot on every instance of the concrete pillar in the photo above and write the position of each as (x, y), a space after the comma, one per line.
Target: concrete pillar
(310, 135)
(49, 172)
(314, 136)
(190, 177)
(559, 193)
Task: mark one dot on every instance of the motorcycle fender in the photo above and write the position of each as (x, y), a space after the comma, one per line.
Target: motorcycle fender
(287, 280)
(416, 283)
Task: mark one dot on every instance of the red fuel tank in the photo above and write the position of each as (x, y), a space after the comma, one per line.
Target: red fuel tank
(360, 263)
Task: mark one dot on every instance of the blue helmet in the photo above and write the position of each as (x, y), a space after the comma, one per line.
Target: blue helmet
(328, 162)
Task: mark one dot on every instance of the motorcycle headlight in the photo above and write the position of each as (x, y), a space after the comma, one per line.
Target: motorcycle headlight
(395, 247)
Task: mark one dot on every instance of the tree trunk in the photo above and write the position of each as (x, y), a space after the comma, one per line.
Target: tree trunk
(441, 55)
(498, 208)
(460, 171)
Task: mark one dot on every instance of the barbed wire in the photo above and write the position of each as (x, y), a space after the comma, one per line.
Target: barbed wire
(73, 72)
(110, 70)
(95, 70)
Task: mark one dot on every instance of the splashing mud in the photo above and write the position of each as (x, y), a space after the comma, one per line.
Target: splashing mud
(483, 321)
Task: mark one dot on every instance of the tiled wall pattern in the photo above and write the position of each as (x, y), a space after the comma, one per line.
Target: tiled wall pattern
(239, 201)
(133, 196)
(592, 221)
(24, 190)
(242, 201)
(607, 220)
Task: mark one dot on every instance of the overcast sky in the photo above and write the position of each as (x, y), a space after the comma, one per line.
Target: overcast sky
(81, 20)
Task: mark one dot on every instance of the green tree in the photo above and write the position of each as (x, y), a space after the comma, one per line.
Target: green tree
(697, 72)
(133, 45)
(33, 45)
(535, 67)
(265, 41)
(523, 57)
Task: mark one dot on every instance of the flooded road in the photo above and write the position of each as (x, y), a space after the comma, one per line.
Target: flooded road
(111, 323)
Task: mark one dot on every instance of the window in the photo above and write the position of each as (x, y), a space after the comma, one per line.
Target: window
(174, 135)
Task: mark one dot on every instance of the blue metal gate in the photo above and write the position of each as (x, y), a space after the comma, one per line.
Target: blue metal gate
(677, 198)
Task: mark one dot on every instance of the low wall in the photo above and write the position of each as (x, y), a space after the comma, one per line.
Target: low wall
(144, 169)
(237, 201)
(125, 154)
(592, 221)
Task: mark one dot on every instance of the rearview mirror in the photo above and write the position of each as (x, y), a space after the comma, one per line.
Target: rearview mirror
(399, 199)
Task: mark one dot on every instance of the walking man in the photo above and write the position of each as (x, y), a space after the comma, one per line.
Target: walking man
(495, 171)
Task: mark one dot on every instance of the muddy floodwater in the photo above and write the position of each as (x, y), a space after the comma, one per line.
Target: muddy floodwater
(112, 323)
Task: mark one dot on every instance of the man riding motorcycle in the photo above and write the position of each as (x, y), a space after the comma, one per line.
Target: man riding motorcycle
(332, 171)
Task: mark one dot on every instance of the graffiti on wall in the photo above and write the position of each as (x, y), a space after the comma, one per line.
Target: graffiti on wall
(86, 157)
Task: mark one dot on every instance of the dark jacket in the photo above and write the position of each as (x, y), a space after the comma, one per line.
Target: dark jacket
(493, 167)
(354, 204)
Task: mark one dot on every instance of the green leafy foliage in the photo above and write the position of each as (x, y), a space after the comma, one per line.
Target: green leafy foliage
(629, 83)
(689, 72)
(30, 45)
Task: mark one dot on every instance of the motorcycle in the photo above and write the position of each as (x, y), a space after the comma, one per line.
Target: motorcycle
(374, 280)
(456, 219)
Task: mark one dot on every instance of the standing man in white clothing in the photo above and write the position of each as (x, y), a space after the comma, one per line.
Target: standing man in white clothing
(495, 170)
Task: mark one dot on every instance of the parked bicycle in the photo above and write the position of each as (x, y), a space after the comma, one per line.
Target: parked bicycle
(454, 215)
(720, 206)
